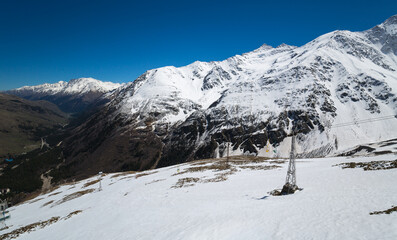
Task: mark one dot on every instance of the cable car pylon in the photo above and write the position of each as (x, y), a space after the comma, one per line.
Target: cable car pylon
(290, 181)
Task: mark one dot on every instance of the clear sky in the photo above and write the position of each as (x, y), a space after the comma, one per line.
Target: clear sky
(48, 41)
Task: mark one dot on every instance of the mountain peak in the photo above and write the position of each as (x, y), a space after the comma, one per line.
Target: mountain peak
(265, 47)
(390, 25)
(83, 79)
(285, 46)
(391, 20)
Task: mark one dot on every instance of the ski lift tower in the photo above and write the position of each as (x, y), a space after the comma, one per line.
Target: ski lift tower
(290, 181)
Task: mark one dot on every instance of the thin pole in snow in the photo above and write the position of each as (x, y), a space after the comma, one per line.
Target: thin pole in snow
(99, 178)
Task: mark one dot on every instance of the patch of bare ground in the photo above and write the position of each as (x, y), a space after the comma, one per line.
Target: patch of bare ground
(123, 174)
(260, 167)
(90, 183)
(241, 160)
(237, 160)
(35, 200)
(34, 226)
(132, 174)
(370, 166)
(279, 161)
(154, 181)
(144, 174)
(387, 211)
(28, 197)
(72, 182)
(202, 162)
(33, 196)
(53, 188)
(28, 228)
(127, 177)
(74, 195)
(223, 172)
(4, 228)
(216, 166)
(185, 182)
(220, 177)
(53, 194)
(72, 214)
(47, 203)
(222, 168)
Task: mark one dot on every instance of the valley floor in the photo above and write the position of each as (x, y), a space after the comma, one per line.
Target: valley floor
(207, 200)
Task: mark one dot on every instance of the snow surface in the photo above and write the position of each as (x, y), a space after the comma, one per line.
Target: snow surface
(334, 204)
(74, 86)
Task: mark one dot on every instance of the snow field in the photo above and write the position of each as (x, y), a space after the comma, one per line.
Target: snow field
(334, 204)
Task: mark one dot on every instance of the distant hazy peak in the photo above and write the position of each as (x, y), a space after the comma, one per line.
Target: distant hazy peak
(78, 85)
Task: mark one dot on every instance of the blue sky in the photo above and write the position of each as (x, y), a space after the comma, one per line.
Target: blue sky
(48, 41)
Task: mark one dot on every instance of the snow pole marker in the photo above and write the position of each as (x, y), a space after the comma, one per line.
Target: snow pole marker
(99, 179)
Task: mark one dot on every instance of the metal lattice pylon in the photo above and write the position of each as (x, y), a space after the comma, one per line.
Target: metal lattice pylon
(291, 173)
(290, 181)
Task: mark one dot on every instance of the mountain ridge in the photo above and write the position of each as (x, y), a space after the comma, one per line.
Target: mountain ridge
(76, 85)
(73, 96)
(251, 102)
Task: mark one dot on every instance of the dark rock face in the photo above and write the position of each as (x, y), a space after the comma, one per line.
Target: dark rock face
(379, 35)
(368, 90)
(110, 146)
(118, 145)
(215, 78)
(192, 141)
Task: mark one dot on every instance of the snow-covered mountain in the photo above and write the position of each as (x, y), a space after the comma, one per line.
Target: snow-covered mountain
(72, 96)
(330, 90)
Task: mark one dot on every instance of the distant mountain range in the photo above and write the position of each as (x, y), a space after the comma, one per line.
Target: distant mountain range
(325, 90)
(73, 96)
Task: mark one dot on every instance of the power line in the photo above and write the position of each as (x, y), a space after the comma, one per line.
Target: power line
(369, 120)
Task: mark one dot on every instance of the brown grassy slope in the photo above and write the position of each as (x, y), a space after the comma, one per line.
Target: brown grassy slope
(23, 123)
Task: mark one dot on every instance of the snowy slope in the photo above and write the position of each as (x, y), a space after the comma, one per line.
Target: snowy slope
(203, 200)
(74, 86)
(72, 96)
(254, 100)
